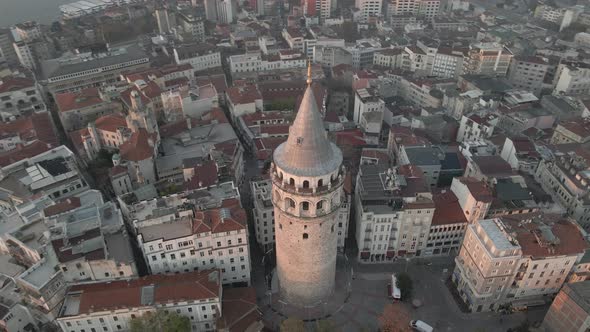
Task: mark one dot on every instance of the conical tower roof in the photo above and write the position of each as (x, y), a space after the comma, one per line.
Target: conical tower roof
(307, 150)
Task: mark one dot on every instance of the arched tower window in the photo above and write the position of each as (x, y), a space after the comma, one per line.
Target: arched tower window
(305, 184)
(291, 181)
(319, 205)
(289, 203)
(320, 182)
(305, 236)
(305, 206)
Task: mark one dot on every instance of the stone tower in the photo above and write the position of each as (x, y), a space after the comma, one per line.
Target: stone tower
(307, 180)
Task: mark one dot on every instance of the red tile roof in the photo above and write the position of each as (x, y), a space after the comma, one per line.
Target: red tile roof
(63, 206)
(255, 118)
(15, 83)
(171, 288)
(110, 122)
(579, 127)
(37, 126)
(240, 310)
(20, 153)
(243, 94)
(492, 165)
(478, 189)
(218, 82)
(230, 217)
(71, 101)
(569, 240)
(382, 157)
(117, 170)
(447, 209)
(205, 176)
(138, 146)
(65, 252)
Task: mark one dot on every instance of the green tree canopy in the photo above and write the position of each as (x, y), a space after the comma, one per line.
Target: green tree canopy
(160, 321)
(404, 283)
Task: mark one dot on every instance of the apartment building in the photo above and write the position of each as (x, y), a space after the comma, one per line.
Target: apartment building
(564, 175)
(570, 310)
(110, 306)
(319, 8)
(572, 78)
(574, 131)
(475, 127)
(89, 242)
(78, 108)
(368, 9)
(213, 238)
(492, 59)
(85, 70)
(53, 173)
(201, 56)
(264, 222)
(368, 111)
(448, 63)
(516, 260)
(424, 8)
(192, 25)
(19, 96)
(528, 73)
(394, 210)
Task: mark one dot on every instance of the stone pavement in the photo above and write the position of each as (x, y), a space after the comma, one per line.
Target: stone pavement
(368, 296)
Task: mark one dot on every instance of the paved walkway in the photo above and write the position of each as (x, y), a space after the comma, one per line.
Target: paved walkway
(360, 311)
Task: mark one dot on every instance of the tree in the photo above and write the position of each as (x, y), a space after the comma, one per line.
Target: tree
(292, 325)
(324, 325)
(404, 283)
(160, 321)
(395, 318)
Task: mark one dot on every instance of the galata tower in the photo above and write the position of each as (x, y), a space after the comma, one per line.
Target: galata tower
(307, 179)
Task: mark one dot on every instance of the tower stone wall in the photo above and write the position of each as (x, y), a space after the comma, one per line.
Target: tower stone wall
(306, 240)
(307, 178)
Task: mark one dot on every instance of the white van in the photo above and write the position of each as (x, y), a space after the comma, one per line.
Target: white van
(396, 293)
(419, 325)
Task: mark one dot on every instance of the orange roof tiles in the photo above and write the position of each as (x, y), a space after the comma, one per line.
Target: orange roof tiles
(243, 94)
(15, 83)
(447, 209)
(110, 122)
(37, 126)
(63, 206)
(478, 189)
(112, 295)
(20, 153)
(70, 101)
(230, 217)
(138, 147)
(205, 176)
(568, 237)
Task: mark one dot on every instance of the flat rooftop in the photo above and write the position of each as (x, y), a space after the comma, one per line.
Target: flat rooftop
(497, 235)
(167, 231)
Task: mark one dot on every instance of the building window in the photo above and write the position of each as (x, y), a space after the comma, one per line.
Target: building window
(305, 236)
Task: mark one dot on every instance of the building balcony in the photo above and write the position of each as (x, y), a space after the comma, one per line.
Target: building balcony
(331, 186)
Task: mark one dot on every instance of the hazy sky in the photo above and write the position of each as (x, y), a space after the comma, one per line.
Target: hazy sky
(15, 11)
